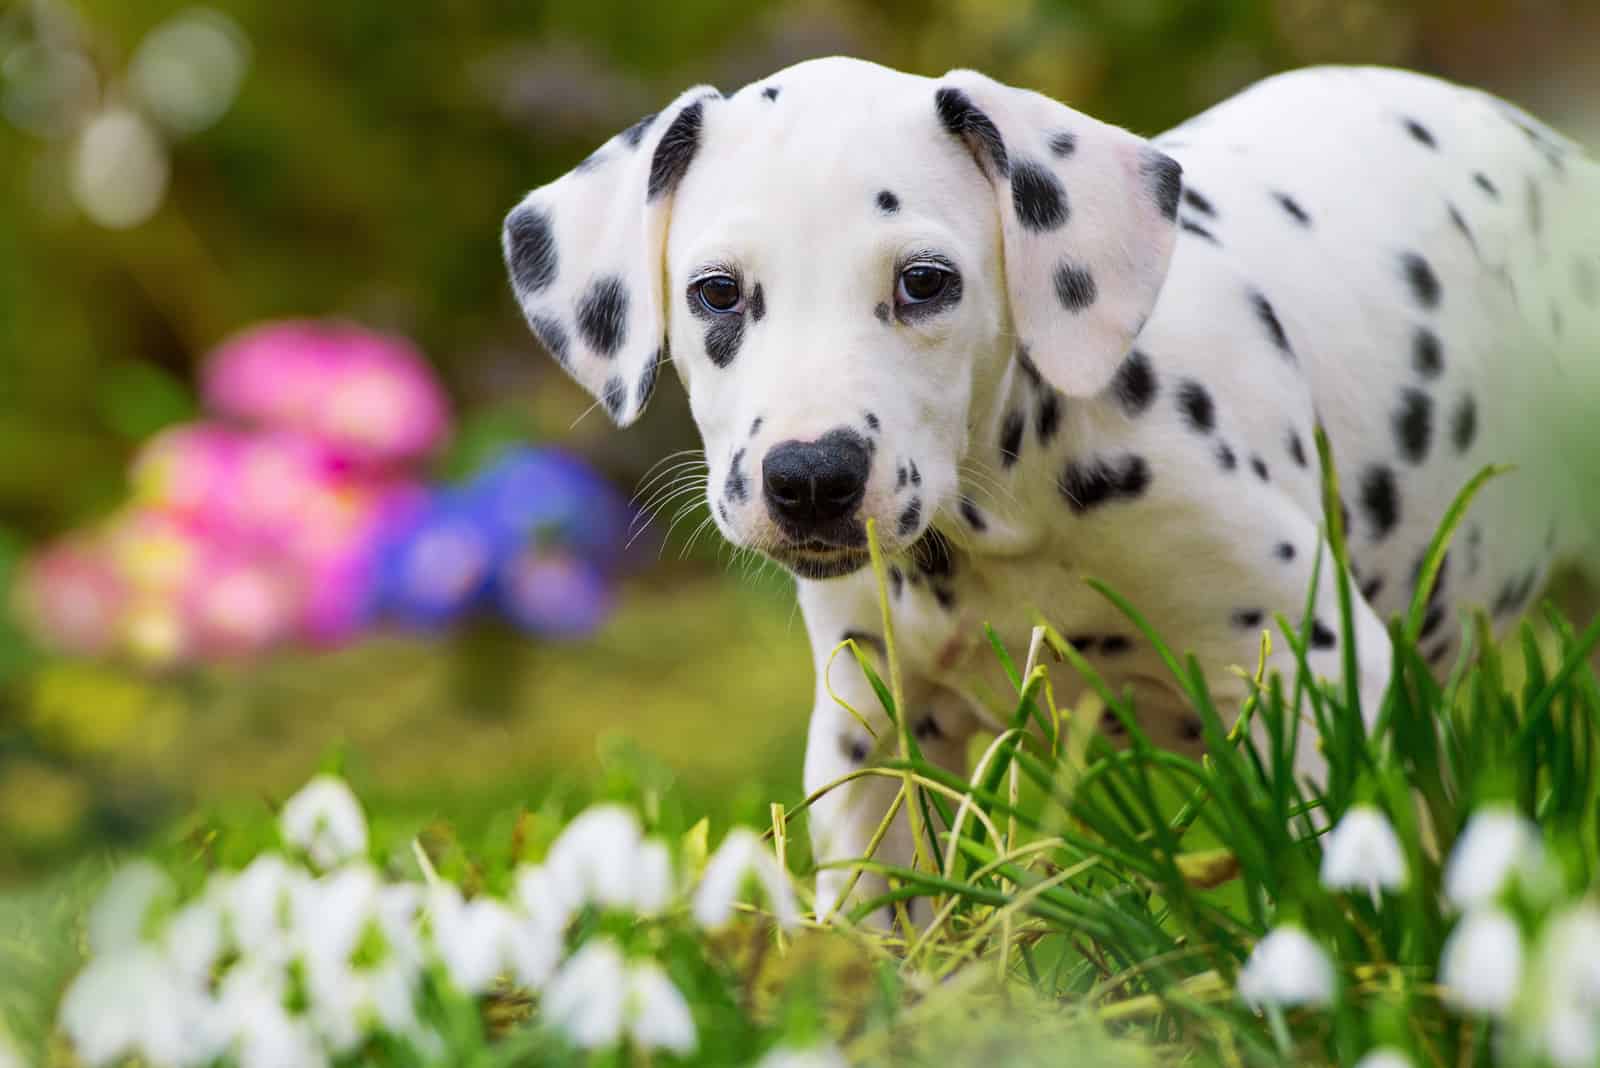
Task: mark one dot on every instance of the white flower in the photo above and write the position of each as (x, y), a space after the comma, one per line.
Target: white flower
(1481, 965)
(188, 70)
(1567, 991)
(192, 940)
(256, 905)
(596, 998)
(593, 860)
(741, 856)
(324, 819)
(823, 1056)
(1496, 843)
(653, 882)
(130, 1002)
(1287, 968)
(120, 169)
(260, 1031)
(473, 938)
(1385, 1057)
(585, 998)
(124, 914)
(1363, 853)
(658, 1016)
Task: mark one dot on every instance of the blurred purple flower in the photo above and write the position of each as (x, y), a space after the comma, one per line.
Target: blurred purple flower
(552, 593)
(548, 496)
(435, 567)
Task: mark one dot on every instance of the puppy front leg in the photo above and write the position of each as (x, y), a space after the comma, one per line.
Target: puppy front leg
(845, 820)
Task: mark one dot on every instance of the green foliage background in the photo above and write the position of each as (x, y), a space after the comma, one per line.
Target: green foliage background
(363, 172)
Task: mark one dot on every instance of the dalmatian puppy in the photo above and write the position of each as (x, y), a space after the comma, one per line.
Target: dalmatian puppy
(1037, 348)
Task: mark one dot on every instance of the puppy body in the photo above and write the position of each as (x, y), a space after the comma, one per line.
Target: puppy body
(1129, 385)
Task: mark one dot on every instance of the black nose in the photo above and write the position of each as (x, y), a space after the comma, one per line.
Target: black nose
(810, 483)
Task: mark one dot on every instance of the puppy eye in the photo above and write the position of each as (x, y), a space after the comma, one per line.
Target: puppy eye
(719, 293)
(920, 283)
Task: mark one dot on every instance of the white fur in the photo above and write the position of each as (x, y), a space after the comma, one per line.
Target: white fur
(784, 191)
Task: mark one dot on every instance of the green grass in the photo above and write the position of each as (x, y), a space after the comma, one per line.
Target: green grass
(1097, 903)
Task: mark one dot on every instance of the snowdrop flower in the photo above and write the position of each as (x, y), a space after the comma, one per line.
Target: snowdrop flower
(585, 998)
(261, 1033)
(123, 915)
(742, 855)
(546, 897)
(1385, 1057)
(192, 940)
(1363, 853)
(473, 938)
(324, 819)
(1496, 843)
(593, 859)
(658, 1016)
(1481, 965)
(823, 1056)
(1287, 968)
(653, 883)
(130, 1002)
(256, 905)
(1568, 987)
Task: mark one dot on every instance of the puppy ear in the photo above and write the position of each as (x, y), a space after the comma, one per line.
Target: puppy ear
(1088, 217)
(586, 255)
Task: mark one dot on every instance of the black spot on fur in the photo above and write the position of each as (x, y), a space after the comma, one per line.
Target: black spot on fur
(1371, 588)
(530, 248)
(910, 518)
(1112, 644)
(1268, 318)
(1075, 287)
(614, 396)
(553, 336)
(1283, 551)
(771, 92)
(1048, 416)
(855, 750)
(1432, 621)
(1247, 617)
(872, 421)
(758, 303)
(1063, 144)
(1586, 280)
(635, 133)
(647, 378)
(901, 477)
(1420, 277)
(1459, 221)
(1134, 384)
(737, 487)
(1413, 424)
(1292, 206)
(1189, 226)
(603, 316)
(675, 151)
(866, 641)
(755, 426)
(916, 476)
(1089, 484)
(1011, 428)
(1191, 729)
(1194, 199)
(1436, 655)
(1259, 466)
(933, 556)
(1482, 181)
(945, 596)
(1226, 457)
(1380, 500)
(1195, 403)
(881, 312)
(963, 119)
(1037, 196)
(1112, 724)
(927, 729)
(1297, 449)
(1464, 423)
(1420, 133)
(1427, 354)
(1028, 367)
(723, 338)
(970, 513)
(1165, 177)
(1514, 593)
(888, 203)
(1321, 636)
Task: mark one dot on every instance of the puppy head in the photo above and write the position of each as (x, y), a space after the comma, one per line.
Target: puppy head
(840, 261)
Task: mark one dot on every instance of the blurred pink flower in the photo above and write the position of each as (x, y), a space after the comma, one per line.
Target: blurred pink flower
(372, 397)
(338, 558)
(71, 597)
(240, 603)
(155, 552)
(187, 469)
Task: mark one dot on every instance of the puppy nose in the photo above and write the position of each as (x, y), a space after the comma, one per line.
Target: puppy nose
(808, 483)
